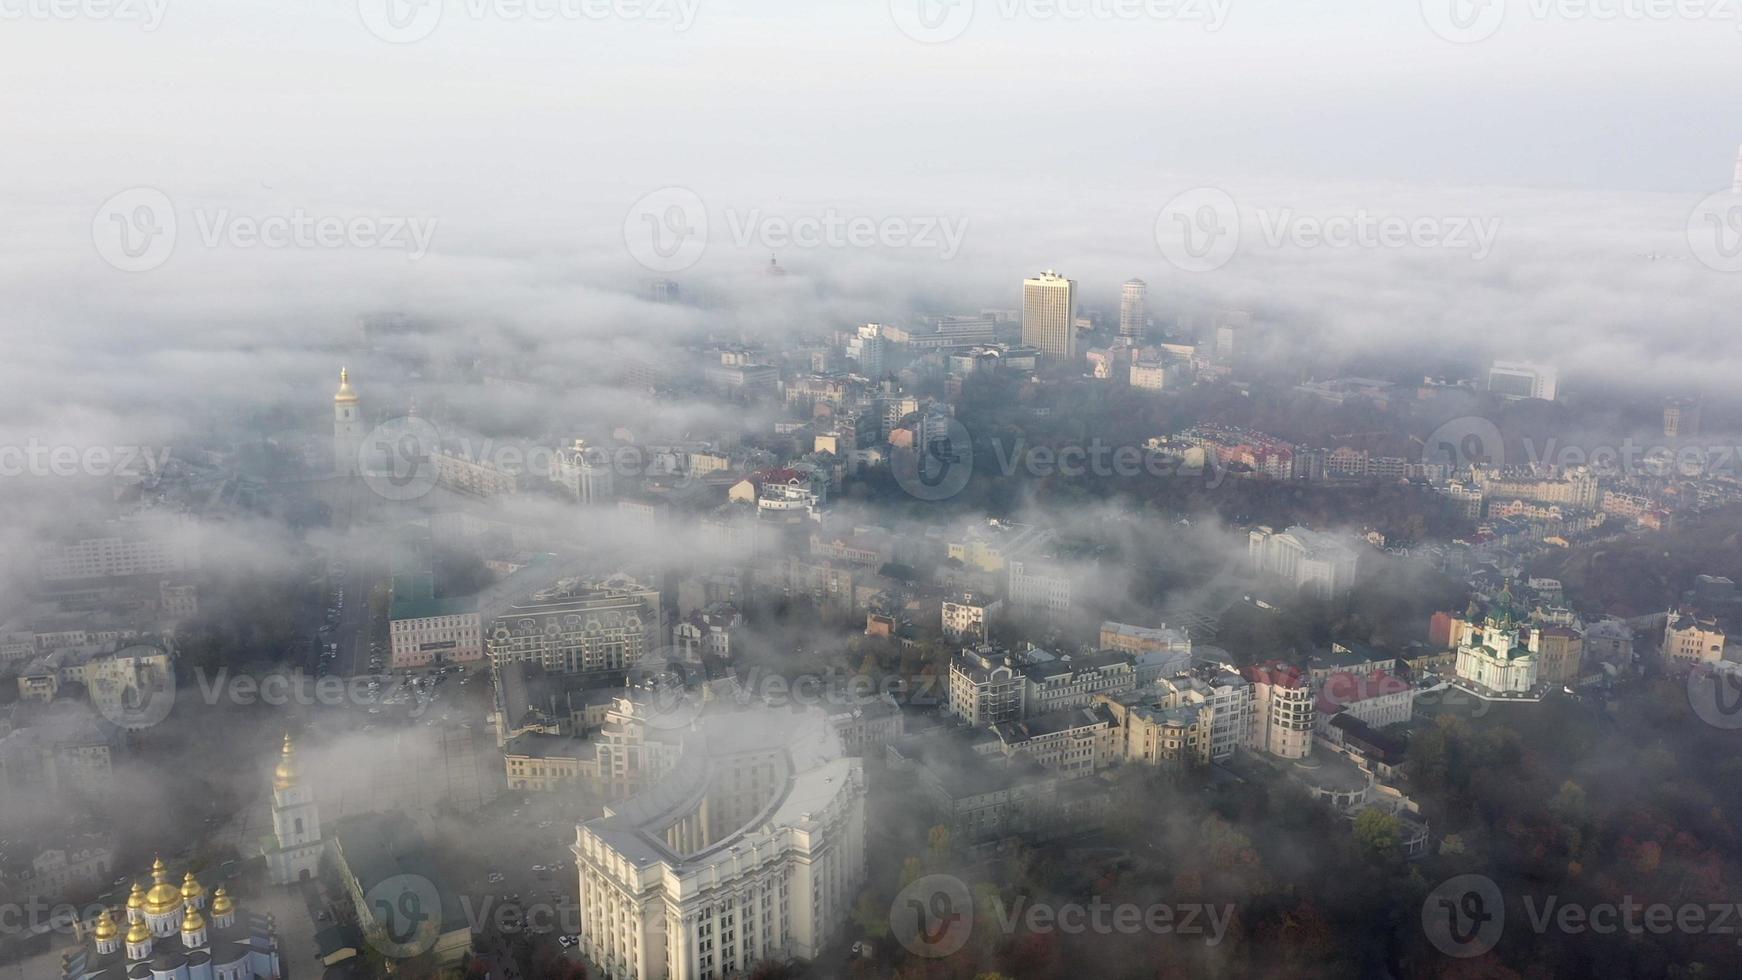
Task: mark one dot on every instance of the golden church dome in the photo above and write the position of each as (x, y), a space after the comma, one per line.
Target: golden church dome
(284, 777)
(139, 933)
(191, 888)
(345, 394)
(106, 928)
(193, 921)
(221, 904)
(136, 898)
(163, 896)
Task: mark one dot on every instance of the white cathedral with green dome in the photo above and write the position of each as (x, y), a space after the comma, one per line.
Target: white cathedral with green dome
(1497, 653)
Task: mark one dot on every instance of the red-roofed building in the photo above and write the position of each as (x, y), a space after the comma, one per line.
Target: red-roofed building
(1275, 672)
(1379, 698)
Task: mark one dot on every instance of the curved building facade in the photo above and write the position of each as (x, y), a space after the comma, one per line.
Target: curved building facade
(751, 850)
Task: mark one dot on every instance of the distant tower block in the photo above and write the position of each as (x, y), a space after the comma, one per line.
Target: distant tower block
(1681, 418)
(1134, 309)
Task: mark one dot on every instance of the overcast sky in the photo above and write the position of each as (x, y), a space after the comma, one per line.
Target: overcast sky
(523, 146)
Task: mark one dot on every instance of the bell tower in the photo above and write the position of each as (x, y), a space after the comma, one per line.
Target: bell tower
(347, 426)
(296, 823)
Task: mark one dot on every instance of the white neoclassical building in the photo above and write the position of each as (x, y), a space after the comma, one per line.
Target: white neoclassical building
(1321, 563)
(752, 849)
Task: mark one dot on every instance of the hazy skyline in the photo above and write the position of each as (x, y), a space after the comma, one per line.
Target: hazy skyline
(520, 148)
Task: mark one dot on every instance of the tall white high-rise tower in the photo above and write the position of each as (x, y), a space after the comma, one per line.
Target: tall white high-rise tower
(1049, 315)
(1134, 309)
(296, 824)
(347, 427)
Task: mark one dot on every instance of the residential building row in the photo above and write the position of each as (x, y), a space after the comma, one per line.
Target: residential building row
(1086, 713)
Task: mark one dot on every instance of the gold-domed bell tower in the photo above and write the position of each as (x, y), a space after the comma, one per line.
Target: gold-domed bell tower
(347, 426)
(285, 775)
(296, 822)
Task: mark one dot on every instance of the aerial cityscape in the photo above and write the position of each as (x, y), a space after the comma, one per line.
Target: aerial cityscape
(922, 489)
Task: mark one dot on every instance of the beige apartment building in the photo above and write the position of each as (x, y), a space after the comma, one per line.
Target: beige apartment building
(1049, 315)
(1284, 714)
(1689, 638)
